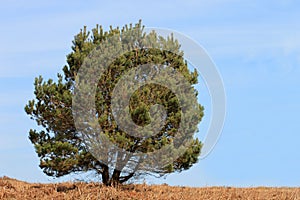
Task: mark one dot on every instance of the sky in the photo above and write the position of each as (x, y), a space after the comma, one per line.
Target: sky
(254, 44)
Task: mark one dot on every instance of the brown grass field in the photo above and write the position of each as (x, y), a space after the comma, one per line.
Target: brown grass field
(14, 189)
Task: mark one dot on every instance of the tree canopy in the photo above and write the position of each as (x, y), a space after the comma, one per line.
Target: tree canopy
(59, 143)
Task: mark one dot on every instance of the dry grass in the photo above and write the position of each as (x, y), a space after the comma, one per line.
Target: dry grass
(14, 189)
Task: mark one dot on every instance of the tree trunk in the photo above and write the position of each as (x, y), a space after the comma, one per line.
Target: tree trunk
(115, 179)
(105, 176)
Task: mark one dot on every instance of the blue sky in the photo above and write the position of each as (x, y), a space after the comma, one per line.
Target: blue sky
(254, 44)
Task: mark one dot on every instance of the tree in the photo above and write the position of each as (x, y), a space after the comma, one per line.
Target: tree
(61, 147)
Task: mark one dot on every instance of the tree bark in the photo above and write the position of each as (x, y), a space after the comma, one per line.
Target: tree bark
(115, 179)
(105, 175)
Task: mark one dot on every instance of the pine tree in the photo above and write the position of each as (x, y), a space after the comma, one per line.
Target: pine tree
(58, 143)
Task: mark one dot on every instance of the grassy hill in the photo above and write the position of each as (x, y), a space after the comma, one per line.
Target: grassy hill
(14, 189)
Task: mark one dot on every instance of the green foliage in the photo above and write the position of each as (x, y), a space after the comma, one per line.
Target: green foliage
(58, 145)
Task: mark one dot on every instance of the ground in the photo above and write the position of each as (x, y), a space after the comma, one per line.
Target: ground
(14, 189)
